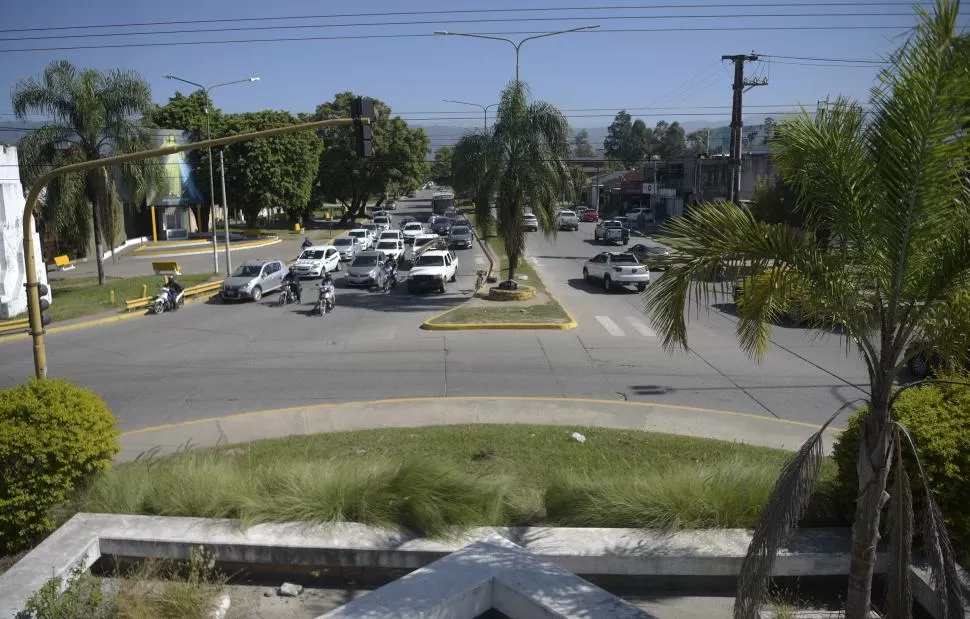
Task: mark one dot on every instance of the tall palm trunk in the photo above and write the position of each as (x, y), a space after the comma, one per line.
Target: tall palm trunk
(93, 182)
(875, 457)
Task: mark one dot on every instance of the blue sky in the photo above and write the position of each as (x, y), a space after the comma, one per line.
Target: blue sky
(681, 70)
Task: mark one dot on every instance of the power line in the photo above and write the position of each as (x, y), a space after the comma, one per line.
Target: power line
(455, 21)
(428, 35)
(810, 58)
(833, 65)
(465, 11)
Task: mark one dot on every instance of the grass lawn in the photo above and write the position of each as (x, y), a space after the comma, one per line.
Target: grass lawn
(82, 297)
(432, 479)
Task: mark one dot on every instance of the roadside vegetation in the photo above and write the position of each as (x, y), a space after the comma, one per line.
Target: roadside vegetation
(74, 298)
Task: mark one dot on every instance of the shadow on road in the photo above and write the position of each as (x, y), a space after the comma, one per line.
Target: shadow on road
(596, 287)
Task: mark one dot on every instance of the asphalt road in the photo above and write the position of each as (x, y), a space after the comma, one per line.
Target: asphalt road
(212, 359)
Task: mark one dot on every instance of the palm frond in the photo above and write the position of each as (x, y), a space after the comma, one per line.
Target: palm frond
(899, 593)
(787, 504)
(952, 591)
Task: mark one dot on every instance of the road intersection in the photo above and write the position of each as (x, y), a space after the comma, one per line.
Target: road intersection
(212, 360)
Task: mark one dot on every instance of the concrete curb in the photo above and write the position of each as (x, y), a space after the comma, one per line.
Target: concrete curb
(207, 250)
(569, 413)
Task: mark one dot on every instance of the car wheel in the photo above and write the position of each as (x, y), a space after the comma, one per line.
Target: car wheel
(585, 275)
(257, 294)
(641, 287)
(919, 367)
(454, 277)
(338, 267)
(607, 283)
(443, 288)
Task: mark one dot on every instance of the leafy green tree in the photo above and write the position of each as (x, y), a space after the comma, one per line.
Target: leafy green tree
(471, 176)
(669, 141)
(618, 144)
(641, 146)
(399, 162)
(769, 125)
(442, 170)
(893, 191)
(696, 142)
(776, 203)
(275, 172)
(526, 153)
(94, 115)
(581, 145)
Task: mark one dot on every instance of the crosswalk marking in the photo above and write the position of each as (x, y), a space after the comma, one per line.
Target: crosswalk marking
(641, 328)
(611, 327)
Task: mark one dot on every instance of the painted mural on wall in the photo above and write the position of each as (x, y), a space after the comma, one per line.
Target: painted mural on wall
(180, 188)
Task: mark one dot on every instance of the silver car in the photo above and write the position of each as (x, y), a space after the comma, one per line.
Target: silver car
(367, 269)
(252, 279)
(460, 237)
(348, 246)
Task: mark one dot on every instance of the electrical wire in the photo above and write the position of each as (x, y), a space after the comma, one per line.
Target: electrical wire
(814, 59)
(468, 11)
(428, 35)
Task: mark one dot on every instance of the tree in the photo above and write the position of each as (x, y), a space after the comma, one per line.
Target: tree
(94, 115)
(618, 144)
(442, 170)
(776, 203)
(641, 143)
(696, 142)
(399, 162)
(669, 140)
(275, 172)
(526, 153)
(581, 145)
(769, 125)
(471, 176)
(893, 191)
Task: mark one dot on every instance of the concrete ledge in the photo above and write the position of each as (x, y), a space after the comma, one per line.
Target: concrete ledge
(467, 326)
(522, 293)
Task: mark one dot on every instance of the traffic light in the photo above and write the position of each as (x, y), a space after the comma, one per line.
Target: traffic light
(364, 108)
(43, 291)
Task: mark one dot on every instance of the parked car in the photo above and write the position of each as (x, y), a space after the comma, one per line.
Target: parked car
(383, 222)
(317, 260)
(391, 205)
(530, 223)
(441, 226)
(252, 279)
(411, 231)
(366, 269)
(616, 269)
(461, 237)
(635, 215)
(348, 246)
(925, 359)
(625, 221)
(567, 220)
(647, 254)
(422, 243)
(611, 231)
(590, 214)
(364, 236)
(411, 194)
(432, 270)
(393, 249)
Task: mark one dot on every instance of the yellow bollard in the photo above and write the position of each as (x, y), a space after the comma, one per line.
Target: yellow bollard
(144, 290)
(111, 297)
(296, 227)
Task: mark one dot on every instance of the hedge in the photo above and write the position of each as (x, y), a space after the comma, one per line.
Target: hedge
(53, 436)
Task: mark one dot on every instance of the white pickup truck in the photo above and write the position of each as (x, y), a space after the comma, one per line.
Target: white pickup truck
(432, 270)
(611, 231)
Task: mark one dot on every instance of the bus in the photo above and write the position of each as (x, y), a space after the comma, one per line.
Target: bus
(442, 202)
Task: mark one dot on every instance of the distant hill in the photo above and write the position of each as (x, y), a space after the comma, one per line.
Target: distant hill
(12, 130)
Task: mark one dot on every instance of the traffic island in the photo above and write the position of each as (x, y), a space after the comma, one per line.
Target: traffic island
(523, 308)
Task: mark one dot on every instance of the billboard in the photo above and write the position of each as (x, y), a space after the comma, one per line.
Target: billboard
(179, 188)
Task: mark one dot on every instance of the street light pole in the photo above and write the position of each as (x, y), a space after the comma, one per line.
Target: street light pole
(483, 108)
(212, 188)
(516, 44)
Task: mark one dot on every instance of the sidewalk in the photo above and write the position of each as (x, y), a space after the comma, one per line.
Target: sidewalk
(412, 412)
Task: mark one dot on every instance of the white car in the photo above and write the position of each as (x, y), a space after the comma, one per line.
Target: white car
(383, 222)
(348, 246)
(317, 260)
(393, 235)
(421, 243)
(530, 223)
(432, 271)
(616, 269)
(392, 248)
(364, 236)
(412, 230)
(634, 215)
(567, 220)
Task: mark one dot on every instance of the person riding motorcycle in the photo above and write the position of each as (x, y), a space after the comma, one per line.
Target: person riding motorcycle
(292, 280)
(325, 283)
(174, 288)
(306, 243)
(389, 274)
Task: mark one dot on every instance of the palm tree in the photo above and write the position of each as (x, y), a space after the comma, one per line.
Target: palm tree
(471, 175)
(525, 159)
(885, 242)
(93, 115)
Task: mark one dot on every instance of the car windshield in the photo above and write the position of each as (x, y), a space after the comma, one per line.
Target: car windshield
(248, 270)
(624, 259)
(567, 214)
(389, 234)
(613, 224)
(459, 230)
(343, 241)
(444, 221)
(381, 220)
(369, 226)
(358, 233)
(413, 226)
(430, 261)
(387, 245)
(312, 254)
(365, 261)
(424, 241)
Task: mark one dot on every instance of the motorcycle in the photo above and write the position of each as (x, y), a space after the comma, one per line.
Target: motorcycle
(326, 299)
(290, 293)
(390, 279)
(163, 303)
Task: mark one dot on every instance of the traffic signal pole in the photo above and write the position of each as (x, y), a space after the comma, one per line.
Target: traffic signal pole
(33, 291)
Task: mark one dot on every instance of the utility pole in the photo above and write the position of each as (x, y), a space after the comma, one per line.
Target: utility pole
(739, 88)
(225, 209)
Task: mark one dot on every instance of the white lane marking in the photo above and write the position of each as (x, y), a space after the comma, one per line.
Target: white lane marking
(610, 326)
(641, 328)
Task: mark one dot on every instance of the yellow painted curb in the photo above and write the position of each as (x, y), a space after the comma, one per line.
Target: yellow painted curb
(462, 326)
(123, 315)
(175, 252)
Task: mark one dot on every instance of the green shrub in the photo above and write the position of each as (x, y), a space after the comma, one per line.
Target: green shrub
(938, 417)
(793, 304)
(53, 435)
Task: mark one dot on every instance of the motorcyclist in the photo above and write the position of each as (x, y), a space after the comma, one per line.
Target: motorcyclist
(174, 288)
(326, 282)
(389, 273)
(306, 243)
(292, 280)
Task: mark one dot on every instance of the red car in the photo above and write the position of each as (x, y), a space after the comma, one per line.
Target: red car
(590, 214)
